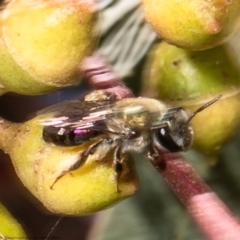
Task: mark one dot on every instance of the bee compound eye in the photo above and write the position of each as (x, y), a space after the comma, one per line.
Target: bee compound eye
(164, 138)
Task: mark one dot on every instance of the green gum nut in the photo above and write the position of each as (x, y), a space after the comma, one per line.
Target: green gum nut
(43, 42)
(90, 188)
(195, 25)
(190, 79)
(9, 227)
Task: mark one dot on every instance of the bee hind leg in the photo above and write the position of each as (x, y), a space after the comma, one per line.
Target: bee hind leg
(100, 95)
(118, 167)
(82, 159)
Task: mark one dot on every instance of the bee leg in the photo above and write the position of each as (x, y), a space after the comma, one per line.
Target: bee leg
(153, 156)
(100, 95)
(117, 165)
(83, 157)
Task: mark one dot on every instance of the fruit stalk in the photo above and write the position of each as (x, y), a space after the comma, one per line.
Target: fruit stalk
(100, 75)
(210, 213)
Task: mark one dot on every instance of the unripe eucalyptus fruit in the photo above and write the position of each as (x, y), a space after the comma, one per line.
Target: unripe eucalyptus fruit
(43, 42)
(190, 79)
(90, 188)
(195, 25)
(9, 227)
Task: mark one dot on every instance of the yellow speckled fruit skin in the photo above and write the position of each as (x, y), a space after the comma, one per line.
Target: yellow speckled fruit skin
(190, 79)
(216, 124)
(195, 25)
(43, 53)
(86, 190)
(9, 227)
(179, 74)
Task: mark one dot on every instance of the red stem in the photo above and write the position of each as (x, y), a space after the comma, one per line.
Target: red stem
(212, 216)
(100, 75)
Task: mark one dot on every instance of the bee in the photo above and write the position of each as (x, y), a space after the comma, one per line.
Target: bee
(141, 125)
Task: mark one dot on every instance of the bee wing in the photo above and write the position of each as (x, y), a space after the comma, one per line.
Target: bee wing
(98, 116)
(59, 107)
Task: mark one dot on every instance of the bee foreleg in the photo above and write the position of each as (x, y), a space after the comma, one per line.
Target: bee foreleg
(153, 156)
(83, 157)
(117, 165)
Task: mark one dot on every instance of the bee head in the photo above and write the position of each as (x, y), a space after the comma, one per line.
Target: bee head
(177, 133)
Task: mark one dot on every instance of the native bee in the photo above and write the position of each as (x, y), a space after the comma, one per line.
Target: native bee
(142, 125)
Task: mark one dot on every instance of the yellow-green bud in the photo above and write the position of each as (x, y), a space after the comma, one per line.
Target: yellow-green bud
(90, 188)
(190, 79)
(43, 42)
(195, 25)
(9, 227)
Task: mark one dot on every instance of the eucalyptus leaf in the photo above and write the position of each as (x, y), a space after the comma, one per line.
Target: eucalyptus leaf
(125, 35)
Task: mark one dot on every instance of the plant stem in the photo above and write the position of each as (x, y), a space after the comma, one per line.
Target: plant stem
(210, 213)
(100, 75)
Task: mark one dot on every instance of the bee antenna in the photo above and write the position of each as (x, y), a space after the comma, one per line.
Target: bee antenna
(203, 107)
